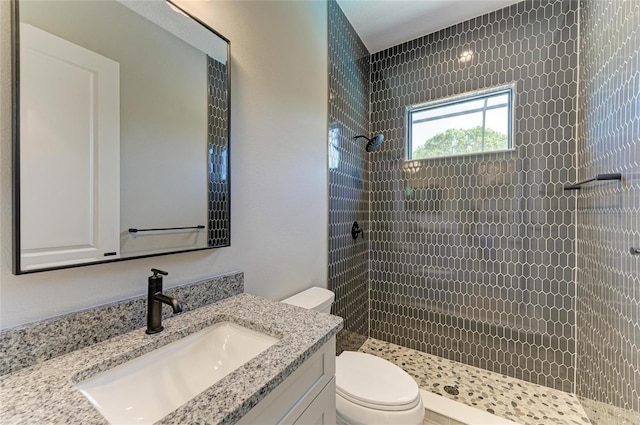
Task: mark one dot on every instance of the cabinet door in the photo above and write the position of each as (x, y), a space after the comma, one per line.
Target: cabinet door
(70, 139)
(322, 411)
(287, 402)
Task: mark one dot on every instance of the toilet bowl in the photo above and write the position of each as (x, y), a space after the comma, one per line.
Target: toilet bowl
(369, 389)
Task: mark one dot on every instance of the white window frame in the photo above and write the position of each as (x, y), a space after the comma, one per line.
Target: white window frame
(479, 94)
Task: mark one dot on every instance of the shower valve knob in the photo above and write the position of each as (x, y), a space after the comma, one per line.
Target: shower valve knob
(355, 230)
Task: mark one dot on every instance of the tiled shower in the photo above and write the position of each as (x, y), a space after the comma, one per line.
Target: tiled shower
(485, 259)
(462, 262)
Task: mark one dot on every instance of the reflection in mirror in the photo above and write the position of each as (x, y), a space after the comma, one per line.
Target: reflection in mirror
(121, 147)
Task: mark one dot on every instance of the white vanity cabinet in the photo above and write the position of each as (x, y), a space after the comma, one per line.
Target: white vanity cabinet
(307, 396)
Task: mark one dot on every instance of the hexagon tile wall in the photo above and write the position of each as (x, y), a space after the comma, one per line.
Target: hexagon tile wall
(608, 214)
(472, 257)
(348, 178)
(218, 131)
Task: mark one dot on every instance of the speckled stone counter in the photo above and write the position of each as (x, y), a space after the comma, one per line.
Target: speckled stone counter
(46, 393)
(34, 343)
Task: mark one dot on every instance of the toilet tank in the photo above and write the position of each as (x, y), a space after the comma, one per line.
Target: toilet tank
(315, 298)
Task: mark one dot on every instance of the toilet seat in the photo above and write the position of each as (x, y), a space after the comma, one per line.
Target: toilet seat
(375, 383)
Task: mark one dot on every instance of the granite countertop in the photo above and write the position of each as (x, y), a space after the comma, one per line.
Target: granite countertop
(46, 393)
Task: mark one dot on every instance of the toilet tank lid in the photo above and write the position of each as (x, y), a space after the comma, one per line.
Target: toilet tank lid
(313, 298)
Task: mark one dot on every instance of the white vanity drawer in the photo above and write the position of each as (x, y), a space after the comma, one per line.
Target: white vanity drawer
(322, 411)
(286, 403)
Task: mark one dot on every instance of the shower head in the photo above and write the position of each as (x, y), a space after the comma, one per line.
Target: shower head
(374, 143)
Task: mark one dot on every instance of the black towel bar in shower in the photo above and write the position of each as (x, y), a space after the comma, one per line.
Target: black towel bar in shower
(578, 186)
(133, 230)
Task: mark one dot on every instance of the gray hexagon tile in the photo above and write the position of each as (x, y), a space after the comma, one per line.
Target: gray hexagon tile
(348, 178)
(608, 213)
(218, 149)
(472, 257)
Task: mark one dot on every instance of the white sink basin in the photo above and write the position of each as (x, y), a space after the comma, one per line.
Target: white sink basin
(148, 388)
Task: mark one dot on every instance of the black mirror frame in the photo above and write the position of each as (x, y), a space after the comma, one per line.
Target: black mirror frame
(15, 172)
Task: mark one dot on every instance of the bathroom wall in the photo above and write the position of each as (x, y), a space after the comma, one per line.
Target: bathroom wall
(608, 213)
(472, 257)
(278, 170)
(348, 178)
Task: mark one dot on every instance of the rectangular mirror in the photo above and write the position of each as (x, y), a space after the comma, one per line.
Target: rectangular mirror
(121, 132)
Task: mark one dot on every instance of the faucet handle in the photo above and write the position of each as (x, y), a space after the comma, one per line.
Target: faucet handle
(155, 281)
(157, 271)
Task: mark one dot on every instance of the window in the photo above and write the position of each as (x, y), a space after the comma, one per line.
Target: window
(467, 124)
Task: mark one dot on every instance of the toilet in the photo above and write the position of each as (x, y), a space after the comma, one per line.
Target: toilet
(369, 389)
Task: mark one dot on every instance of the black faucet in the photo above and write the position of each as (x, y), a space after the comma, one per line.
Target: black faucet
(155, 300)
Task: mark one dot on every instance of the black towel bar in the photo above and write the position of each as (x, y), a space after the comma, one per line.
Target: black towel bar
(577, 186)
(133, 230)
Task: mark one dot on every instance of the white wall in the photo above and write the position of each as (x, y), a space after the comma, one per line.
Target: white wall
(278, 170)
